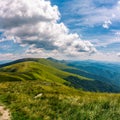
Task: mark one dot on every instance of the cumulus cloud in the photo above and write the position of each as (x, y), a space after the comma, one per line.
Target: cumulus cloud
(14, 13)
(36, 23)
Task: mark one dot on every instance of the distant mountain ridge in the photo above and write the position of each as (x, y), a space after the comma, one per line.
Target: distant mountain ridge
(110, 72)
(4, 62)
(17, 61)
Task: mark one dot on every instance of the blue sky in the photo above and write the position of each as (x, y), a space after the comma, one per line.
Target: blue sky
(95, 20)
(88, 17)
(67, 29)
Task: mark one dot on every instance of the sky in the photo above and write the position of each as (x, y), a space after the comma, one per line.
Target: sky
(63, 29)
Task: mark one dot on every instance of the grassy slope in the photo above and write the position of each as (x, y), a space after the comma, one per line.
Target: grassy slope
(55, 100)
(35, 69)
(94, 84)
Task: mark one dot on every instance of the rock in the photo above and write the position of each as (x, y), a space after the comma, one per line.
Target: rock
(38, 96)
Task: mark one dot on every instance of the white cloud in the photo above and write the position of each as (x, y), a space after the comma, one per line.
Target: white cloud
(108, 56)
(2, 40)
(6, 56)
(107, 24)
(35, 23)
(93, 14)
(118, 54)
(37, 52)
(18, 12)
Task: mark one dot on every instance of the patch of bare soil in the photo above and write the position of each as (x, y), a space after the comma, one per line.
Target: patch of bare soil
(4, 113)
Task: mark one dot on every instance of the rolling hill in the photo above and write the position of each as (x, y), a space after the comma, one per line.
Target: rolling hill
(53, 70)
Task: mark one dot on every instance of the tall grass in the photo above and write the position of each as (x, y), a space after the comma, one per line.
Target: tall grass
(57, 102)
(41, 91)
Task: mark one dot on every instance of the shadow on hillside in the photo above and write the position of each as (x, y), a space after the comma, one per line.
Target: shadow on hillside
(90, 85)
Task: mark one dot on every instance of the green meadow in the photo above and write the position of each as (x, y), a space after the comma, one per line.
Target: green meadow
(40, 89)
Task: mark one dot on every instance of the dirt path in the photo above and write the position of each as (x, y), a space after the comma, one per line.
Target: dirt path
(4, 113)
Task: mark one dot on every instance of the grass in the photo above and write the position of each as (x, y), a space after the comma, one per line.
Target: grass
(52, 71)
(57, 102)
(36, 91)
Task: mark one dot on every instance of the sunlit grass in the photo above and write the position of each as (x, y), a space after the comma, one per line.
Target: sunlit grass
(40, 91)
(57, 102)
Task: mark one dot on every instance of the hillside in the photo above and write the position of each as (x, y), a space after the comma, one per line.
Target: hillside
(52, 70)
(109, 72)
(40, 89)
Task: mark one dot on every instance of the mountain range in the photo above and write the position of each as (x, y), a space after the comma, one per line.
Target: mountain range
(80, 75)
(104, 71)
(49, 89)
